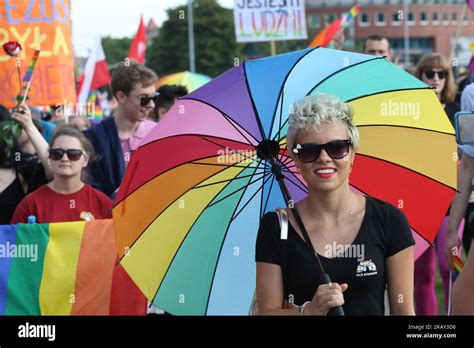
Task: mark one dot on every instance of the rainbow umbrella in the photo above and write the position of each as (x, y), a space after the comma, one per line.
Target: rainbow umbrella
(191, 80)
(186, 224)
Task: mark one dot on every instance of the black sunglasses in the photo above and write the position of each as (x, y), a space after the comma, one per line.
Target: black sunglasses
(72, 154)
(336, 149)
(145, 100)
(441, 74)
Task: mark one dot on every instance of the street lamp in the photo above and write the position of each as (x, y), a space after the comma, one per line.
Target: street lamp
(192, 65)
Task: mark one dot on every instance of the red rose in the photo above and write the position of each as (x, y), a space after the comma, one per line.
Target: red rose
(12, 48)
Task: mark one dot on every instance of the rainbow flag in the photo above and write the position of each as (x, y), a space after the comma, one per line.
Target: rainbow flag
(325, 37)
(31, 67)
(59, 269)
(98, 113)
(458, 265)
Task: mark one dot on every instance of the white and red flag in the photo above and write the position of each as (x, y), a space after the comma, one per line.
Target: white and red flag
(138, 48)
(96, 74)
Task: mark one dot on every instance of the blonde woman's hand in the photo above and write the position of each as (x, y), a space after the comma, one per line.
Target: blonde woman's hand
(326, 297)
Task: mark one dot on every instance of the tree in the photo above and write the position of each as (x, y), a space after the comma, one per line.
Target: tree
(115, 49)
(215, 48)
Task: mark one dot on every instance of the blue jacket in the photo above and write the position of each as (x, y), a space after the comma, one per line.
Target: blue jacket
(106, 173)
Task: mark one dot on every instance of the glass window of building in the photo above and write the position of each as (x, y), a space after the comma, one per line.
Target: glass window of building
(445, 18)
(397, 18)
(380, 19)
(332, 17)
(364, 19)
(423, 18)
(314, 21)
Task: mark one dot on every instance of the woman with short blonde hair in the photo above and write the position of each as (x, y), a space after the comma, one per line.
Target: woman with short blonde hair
(364, 244)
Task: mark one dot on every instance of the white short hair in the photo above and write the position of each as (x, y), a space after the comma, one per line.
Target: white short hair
(314, 110)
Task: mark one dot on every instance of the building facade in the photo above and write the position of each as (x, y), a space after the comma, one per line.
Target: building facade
(432, 24)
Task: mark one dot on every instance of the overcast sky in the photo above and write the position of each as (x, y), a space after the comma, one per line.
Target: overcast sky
(116, 18)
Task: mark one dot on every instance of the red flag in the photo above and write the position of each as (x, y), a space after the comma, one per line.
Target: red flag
(325, 37)
(138, 47)
(96, 74)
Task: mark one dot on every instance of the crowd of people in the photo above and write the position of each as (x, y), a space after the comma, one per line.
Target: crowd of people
(78, 169)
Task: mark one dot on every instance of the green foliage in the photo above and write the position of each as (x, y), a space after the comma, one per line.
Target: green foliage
(9, 131)
(116, 49)
(215, 48)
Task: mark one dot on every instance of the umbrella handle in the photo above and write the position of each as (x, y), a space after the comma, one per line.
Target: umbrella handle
(335, 311)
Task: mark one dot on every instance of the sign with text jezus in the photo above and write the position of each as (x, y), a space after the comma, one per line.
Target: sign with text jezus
(269, 20)
(44, 25)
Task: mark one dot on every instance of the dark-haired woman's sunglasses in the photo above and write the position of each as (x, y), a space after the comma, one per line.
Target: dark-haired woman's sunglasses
(336, 149)
(145, 100)
(72, 154)
(441, 74)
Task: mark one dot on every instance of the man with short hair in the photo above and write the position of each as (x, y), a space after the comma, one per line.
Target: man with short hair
(116, 137)
(377, 45)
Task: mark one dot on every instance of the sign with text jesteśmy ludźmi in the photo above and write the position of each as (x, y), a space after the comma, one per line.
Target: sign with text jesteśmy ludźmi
(269, 20)
(38, 24)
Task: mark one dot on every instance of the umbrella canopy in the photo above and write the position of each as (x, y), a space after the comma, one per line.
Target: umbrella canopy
(191, 80)
(189, 207)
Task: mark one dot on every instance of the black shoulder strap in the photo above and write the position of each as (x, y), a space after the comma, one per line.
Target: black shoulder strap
(283, 219)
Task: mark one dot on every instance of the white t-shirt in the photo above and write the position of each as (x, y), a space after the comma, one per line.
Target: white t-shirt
(467, 98)
(467, 104)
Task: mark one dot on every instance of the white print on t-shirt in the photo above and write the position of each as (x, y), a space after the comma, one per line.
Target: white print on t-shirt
(86, 216)
(366, 268)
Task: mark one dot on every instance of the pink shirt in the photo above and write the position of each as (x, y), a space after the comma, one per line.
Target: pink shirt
(130, 144)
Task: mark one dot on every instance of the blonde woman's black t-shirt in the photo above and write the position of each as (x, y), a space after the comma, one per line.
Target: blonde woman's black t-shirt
(384, 232)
